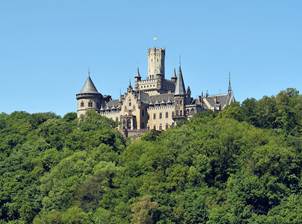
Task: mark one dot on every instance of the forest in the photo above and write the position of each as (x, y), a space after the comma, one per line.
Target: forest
(242, 165)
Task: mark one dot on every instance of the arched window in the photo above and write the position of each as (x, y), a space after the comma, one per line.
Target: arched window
(90, 103)
(82, 104)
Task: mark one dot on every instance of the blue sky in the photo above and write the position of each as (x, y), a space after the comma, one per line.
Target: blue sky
(46, 47)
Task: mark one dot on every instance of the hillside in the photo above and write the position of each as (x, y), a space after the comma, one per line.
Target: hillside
(242, 165)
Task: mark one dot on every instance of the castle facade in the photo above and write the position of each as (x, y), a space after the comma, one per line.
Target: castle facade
(153, 103)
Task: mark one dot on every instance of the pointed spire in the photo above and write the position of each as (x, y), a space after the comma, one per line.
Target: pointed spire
(89, 86)
(230, 86)
(180, 85)
(130, 86)
(174, 76)
(138, 74)
(189, 91)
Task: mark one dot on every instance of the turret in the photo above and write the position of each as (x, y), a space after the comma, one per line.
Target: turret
(156, 63)
(89, 98)
(137, 78)
(180, 89)
(174, 77)
(179, 96)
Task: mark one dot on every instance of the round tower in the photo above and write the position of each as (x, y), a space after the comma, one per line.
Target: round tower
(156, 62)
(89, 98)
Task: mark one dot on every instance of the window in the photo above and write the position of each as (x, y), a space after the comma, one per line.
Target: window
(154, 127)
(160, 115)
(154, 116)
(167, 114)
(167, 126)
(176, 112)
(180, 113)
(82, 104)
(172, 113)
(90, 103)
(160, 127)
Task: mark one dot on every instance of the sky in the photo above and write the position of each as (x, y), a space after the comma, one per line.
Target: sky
(47, 47)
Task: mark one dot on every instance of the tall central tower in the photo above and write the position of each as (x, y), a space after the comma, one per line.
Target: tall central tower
(156, 63)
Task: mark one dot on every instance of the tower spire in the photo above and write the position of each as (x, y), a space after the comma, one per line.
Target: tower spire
(180, 85)
(230, 86)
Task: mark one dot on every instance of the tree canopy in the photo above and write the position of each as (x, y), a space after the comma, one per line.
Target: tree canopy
(242, 165)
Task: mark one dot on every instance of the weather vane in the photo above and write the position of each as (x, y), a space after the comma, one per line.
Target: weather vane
(155, 38)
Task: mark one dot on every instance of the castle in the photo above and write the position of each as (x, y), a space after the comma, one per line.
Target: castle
(154, 103)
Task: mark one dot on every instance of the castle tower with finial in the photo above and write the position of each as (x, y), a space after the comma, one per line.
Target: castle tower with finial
(88, 98)
(156, 63)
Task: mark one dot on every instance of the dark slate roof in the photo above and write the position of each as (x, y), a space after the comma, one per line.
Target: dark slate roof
(89, 86)
(165, 97)
(222, 100)
(144, 97)
(112, 103)
(180, 85)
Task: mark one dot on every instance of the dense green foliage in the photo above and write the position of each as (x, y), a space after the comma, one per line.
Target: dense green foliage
(239, 166)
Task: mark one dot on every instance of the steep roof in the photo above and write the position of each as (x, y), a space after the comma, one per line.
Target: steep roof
(89, 86)
(165, 97)
(180, 85)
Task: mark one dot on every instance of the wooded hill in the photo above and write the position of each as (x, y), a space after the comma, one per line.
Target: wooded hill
(242, 165)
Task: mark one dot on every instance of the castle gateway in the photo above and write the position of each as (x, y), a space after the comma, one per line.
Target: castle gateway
(153, 103)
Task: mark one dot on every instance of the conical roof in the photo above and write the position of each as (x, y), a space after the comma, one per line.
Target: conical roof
(89, 86)
(180, 85)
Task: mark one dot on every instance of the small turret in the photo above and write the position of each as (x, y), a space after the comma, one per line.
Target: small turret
(138, 75)
(179, 96)
(137, 78)
(180, 89)
(174, 77)
(89, 98)
(189, 91)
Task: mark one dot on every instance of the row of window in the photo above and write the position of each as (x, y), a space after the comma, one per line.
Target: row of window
(147, 86)
(178, 113)
(90, 104)
(161, 115)
(160, 127)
